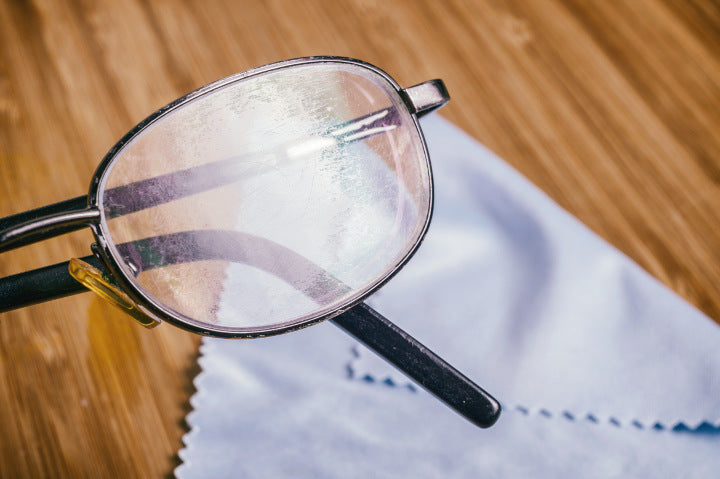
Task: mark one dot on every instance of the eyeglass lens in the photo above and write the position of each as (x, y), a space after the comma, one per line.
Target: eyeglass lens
(272, 199)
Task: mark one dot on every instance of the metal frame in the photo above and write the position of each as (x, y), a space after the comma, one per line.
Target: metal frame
(368, 326)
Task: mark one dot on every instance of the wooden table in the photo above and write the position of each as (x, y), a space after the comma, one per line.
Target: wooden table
(612, 108)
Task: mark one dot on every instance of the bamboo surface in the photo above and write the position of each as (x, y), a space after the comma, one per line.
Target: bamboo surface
(612, 108)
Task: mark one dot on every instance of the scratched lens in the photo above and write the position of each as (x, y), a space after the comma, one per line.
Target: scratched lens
(270, 200)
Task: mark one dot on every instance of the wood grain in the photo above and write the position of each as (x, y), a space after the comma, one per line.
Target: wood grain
(612, 108)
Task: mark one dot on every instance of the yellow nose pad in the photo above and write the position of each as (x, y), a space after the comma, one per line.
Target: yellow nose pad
(94, 280)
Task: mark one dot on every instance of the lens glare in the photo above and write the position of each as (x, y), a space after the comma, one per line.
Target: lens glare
(272, 200)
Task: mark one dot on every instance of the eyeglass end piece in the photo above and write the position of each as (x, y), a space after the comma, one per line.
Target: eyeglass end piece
(94, 280)
(426, 97)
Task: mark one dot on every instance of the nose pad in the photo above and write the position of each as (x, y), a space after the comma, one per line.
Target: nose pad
(94, 280)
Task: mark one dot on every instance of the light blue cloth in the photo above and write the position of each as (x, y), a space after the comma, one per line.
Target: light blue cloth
(601, 370)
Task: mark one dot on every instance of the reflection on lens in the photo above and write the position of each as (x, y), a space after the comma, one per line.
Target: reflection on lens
(273, 199)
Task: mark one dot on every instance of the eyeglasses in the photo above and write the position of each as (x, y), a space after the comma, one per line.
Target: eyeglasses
(256, 205)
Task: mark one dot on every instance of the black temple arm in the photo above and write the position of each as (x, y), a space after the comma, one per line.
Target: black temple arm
(362, 322)
(74, 204)
(419, 363)
(39, 285)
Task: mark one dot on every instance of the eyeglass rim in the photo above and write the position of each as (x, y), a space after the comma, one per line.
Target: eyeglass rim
(105, 247)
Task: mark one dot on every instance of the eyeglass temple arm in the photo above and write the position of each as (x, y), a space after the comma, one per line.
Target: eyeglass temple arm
(41, 285)
(45, 222)
(362, 322)
(419, 363)
(71, 215)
